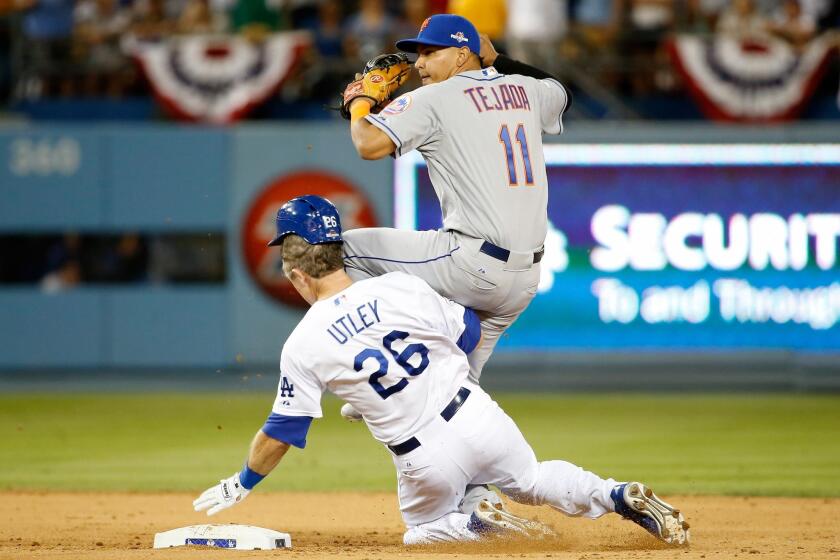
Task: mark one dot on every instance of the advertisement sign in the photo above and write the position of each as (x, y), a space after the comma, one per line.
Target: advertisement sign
(676, 247)
(264, 263)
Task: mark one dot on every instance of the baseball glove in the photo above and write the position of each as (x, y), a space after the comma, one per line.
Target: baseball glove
(378, 81)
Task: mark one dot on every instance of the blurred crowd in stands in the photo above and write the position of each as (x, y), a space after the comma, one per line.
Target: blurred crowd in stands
(66, 48)
(60, 262)
(612, 49)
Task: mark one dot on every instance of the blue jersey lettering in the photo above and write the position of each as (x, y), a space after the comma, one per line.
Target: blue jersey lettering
(350, 324)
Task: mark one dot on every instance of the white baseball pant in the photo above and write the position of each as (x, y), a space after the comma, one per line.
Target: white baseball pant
(481, 444)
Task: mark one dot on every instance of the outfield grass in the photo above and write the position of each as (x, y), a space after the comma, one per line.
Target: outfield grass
(747, 445)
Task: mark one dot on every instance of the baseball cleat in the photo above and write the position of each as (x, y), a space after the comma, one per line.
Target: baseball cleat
(638, 503)
(494, 519)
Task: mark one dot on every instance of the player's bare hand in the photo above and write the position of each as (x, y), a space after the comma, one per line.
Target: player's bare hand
(488, 52)
(349, 413)
(227, 493)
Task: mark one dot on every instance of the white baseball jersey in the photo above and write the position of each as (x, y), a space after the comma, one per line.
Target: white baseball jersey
(390, 346)
(394, 349)
(480, 133)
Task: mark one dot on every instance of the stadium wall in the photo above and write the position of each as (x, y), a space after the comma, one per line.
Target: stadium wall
(160, 178)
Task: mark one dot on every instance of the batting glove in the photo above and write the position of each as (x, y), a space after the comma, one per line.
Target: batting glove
(227, 493)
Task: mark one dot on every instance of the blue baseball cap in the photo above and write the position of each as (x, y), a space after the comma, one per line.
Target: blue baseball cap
(312, 217)
(444, 30)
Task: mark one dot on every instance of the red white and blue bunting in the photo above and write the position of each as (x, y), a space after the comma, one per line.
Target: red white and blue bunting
(756, 79)
(217, 79)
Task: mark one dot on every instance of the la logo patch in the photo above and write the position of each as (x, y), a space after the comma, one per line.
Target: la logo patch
(286, 389)
(398, 105)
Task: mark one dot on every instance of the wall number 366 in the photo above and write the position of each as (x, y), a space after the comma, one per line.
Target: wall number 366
(44, 157)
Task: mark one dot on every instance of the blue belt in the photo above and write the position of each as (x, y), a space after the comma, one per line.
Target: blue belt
(447, 413)
(503, 254)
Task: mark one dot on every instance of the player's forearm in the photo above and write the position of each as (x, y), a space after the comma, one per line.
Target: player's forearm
(263, 456)
(507, 65)
(265, 453)
(490, 57)
(370, 142)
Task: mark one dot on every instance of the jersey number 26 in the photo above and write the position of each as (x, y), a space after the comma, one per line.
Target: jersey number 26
(401, 358)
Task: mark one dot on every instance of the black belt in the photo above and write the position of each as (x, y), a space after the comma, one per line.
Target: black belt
(447, 413)
(503, 254)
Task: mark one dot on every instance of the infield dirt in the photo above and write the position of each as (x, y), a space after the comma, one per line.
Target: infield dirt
(367, 527)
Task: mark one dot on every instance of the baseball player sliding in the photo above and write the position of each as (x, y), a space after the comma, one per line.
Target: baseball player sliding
(397, 351)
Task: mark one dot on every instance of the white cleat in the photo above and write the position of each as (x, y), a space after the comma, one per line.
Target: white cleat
(638, 503)
(494, 519)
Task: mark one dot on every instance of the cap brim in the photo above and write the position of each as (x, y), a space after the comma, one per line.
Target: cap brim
(276, 241)
(411, 45)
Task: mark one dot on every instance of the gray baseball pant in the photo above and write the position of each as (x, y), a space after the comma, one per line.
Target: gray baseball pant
(452, 264)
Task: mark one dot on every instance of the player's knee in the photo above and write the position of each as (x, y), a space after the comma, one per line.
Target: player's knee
(525, 488)
(521, 496)
(356, 274)
(349, 237)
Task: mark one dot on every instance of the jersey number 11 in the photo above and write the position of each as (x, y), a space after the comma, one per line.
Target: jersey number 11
(505, 138)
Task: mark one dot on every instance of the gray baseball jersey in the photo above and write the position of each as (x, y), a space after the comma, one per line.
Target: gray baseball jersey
(480, 133)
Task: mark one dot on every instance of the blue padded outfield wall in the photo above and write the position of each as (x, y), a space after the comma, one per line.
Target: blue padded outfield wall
(721, 246)
(158, 179)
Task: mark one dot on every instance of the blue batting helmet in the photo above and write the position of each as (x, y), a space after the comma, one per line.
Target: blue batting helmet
(312, 217)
